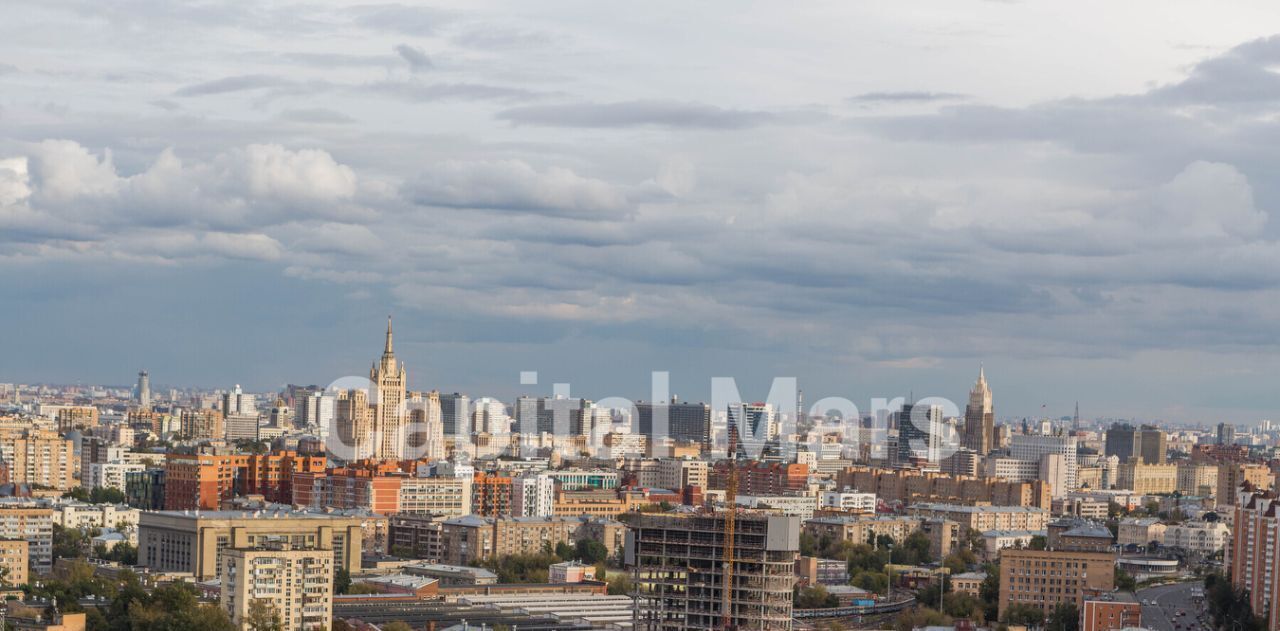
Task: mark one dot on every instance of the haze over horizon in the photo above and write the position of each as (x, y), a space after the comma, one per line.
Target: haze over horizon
(872, 200)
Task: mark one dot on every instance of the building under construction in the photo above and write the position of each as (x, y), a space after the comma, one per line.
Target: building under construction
(677, 564)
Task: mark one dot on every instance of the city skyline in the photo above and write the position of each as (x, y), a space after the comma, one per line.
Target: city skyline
(862, 210)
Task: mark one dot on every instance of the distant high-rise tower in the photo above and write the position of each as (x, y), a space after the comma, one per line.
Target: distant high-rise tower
(979, 417)
(144, 390)
(1226, 434)
(388, 377)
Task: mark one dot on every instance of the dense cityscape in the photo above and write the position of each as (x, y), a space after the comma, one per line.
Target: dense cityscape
(568, 315)
(225, 508)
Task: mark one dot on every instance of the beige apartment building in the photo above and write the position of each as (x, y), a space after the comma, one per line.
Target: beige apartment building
(861, 529)
(1197, 479)
(1140, 531)
(38, 458)
(296, 583)
(195, 541)
(1232, 475)
(1147, 479)
(984, 518)
(14, 562)
(436, 496)
(1044, 578)
(467, 540)
(34, 525)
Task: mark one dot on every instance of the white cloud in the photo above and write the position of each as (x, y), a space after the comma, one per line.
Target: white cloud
(306, 175)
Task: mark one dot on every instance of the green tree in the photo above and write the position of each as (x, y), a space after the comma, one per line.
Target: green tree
(396, 626)
(262, 616)
(960, 560)
(808, 545)
(341, 581)
(79, 493)
(1038, 542)
(913, 551)
(920, 617)
(815, 597)
(591, 552)
(1125, 582)
(962, 605)
(1065, 616)
(1023, 614)
(989, 591)
(564, 551)
(106, 495)
(619, 584)
(871, 581)
(69, 543)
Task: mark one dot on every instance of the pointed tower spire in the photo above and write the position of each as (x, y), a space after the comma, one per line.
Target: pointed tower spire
(982, 373)
(387, 350)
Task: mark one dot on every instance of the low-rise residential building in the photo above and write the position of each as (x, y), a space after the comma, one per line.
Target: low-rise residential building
(983, 518)
(471, 539)
(802, 506)
(1198, 536)
(452, 575)
(83, 515)
(1118, 611)
(570, 572)
(968, 583)
(861, 529)
(993, 541)
(849, 501)
(1139, 531)
(110, 475)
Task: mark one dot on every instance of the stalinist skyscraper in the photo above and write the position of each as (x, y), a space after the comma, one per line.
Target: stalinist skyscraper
(389, 417)
(979, 419)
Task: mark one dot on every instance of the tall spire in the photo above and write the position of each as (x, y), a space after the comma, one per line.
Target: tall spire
(982, 373)
(387, 350)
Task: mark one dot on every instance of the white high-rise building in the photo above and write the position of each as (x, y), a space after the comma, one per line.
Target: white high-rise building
(315, 410)
(489, 416)
(239, 402)
(426, 431)
(751, 426)
(533, 495)
(1034, 448)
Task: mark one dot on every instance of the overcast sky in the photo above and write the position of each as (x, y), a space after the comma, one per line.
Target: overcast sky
(869, 198)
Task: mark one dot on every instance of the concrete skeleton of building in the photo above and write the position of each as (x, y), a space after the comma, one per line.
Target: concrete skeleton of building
(679, 568)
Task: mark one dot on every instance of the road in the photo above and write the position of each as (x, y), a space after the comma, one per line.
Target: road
(1166, 601)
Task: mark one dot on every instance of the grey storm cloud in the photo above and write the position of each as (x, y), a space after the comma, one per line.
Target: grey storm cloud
(675, 114)
(238, 83)
(907, 96)
(318, 115)
(414, 91)
(416, 58)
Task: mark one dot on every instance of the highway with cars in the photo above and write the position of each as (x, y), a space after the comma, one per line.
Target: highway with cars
(1173, 607)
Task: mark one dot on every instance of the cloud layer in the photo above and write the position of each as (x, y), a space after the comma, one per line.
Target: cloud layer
(535, 190)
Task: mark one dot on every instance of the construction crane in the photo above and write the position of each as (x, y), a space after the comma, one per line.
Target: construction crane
(731, 512)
